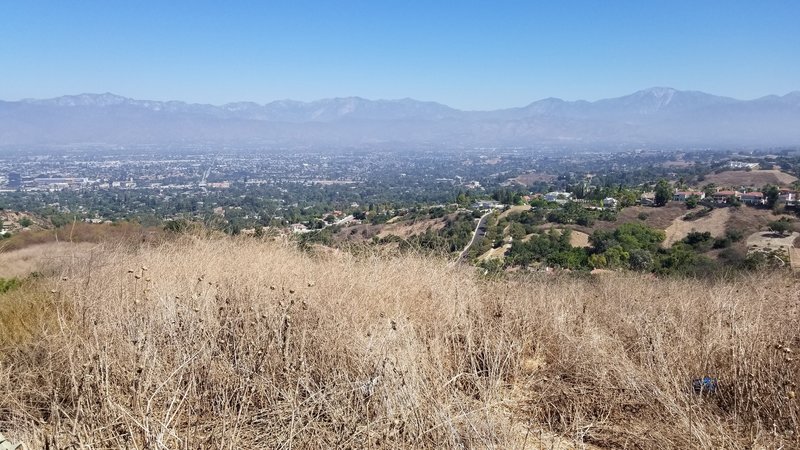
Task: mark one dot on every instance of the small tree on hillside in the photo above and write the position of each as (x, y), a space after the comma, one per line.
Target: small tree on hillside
(692, 201)
(663, 193)
(781, 227)
(771, 193)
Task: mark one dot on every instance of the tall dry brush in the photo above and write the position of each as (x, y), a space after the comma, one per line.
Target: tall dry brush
(210, 342)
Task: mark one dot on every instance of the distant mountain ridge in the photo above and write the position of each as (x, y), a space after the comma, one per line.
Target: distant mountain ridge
(655, 116)
(280, 111)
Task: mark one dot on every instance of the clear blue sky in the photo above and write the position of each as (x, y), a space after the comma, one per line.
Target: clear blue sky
(467, 54)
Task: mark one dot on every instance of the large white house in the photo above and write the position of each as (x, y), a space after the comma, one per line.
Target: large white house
(558, 196)
(682, 196)
(610, 202)
(742, 165)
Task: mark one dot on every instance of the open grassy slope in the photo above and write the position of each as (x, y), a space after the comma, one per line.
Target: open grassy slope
(752, 178)
(212, 343)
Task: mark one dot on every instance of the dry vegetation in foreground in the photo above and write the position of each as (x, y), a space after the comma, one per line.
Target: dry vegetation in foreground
(211, 343)
(129, 232)
(22, 262)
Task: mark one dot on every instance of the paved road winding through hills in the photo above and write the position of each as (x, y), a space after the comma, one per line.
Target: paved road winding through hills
(480, 231)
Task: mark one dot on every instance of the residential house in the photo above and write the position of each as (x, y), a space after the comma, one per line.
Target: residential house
(487, 204)
(558, 197)
(610, 202)
(722, 197)
(682, 196)
(753, 198)
(648, 199)
(742, 165)
(787, 196)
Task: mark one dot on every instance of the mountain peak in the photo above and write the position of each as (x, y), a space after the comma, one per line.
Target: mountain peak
(658, 91)
(660, 115)
(85, 99)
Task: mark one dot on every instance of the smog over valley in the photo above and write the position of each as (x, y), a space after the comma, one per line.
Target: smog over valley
(416, 225)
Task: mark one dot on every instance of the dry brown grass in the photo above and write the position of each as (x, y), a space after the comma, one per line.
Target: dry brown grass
(248, 344)
(129, 232)
(394, 227)
(406, 229)
(659, 218)
(531, 178)
(753, 178)
(514, 209)
(21, 263)
(714, 223)
(576, 238)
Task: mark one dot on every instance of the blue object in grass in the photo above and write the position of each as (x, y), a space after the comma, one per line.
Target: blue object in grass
(705, 385)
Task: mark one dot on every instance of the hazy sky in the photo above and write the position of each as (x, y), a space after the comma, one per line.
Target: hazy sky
(472, 55)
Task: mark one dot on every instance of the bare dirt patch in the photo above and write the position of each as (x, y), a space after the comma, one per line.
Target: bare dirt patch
(769, 239)
(528, 179)
(677, 162)
(576, 239)
(713, 223)
(753, 178)
(579, 239)
(495, 253)
(407, 229)
(514, 209)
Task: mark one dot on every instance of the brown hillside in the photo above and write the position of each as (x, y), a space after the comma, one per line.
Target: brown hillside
(753, 178)
(210, 343)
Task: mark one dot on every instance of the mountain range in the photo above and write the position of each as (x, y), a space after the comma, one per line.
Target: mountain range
(655, 116)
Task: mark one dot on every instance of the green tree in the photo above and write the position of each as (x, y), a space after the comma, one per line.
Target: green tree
(616, 256)
(771, 194)
(598, 261)
(692, 201)
(710, 189)
(663, 193)
(781, 227)
(516, 230)
(641, 259)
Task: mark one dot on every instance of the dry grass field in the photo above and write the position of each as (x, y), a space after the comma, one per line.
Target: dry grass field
(239, 343)
(495, 253)
(659, 218)
(530, 178)
(514, 209)
(406, 229)
(84, 232)
(753, 178)
(22, 262)
(714, 223)
(395, 227)
(576, 238)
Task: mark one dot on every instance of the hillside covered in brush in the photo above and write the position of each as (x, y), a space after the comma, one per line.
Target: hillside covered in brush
(220, 342)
